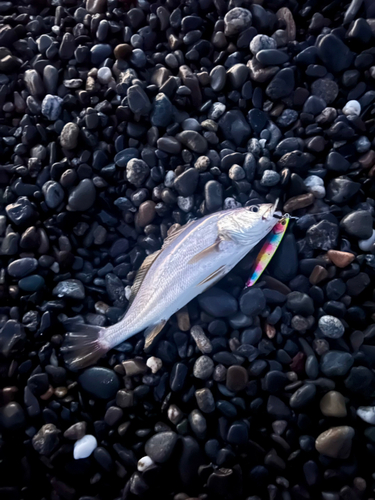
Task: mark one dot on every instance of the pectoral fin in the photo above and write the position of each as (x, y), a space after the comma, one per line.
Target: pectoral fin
(205, 253)
(152, 332)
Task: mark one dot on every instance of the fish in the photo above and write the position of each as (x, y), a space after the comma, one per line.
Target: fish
(268, 249)
(191, 260)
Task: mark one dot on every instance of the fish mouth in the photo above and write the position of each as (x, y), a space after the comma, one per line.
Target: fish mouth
(270, 211)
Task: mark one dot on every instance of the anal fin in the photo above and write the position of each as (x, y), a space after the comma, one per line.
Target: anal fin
(152, 332)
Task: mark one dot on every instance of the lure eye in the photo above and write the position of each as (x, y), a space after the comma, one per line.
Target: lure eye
(254, 208)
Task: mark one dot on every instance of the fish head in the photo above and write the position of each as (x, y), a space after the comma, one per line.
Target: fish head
(249, 224)
(265, 212)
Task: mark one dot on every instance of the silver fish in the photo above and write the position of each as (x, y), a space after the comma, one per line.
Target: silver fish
(192, 259)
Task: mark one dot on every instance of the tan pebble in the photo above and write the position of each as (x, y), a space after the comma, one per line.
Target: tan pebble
(340, 259)
(335, 442)
(183, 319)
(297, 202)
(270, 331)
(332, 404)
(60, 392)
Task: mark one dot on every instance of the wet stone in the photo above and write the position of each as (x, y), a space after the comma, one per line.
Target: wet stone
(101, 383)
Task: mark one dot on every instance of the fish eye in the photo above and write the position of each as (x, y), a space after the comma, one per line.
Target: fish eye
(254, 208)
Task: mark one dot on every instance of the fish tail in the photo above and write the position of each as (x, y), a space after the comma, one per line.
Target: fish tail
(84, 346)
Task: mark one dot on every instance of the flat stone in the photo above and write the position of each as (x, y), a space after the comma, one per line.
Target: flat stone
(340, 259)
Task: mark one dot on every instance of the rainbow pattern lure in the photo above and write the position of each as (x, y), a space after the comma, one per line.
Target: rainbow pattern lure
(268, 250)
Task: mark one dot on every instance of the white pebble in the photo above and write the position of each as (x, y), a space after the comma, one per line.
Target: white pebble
(169, 178)
(367, 245)
(84, 446)
(315, 185)
(367, 413)
(231, 203)
(352, 108)
(154, 364)
(128, 292)
(144, 463)
(104, 75)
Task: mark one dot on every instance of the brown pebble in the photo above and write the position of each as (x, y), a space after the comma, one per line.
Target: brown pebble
(367, 160)
(318, 274)
(47, 394)
(275, 284)
(183, 319)
(134, 367)
(146, 213)
(332, 404)
(122, 51)
(335, 442)
(340, 259)
(297, 202)
(237, 378)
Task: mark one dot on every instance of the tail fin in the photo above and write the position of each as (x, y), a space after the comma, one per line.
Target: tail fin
(84, 346)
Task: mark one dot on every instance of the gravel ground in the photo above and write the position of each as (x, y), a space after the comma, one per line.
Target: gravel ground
(119, 120)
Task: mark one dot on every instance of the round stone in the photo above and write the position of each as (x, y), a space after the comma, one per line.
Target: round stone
(331, 327)
(99, 382)
(104, 75)
(236, 20)
(262, 42)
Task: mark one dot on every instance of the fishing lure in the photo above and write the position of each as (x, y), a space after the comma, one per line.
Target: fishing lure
(268, 250)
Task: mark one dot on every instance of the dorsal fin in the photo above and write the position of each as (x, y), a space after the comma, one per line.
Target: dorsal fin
(171, 237)
(142, 271)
